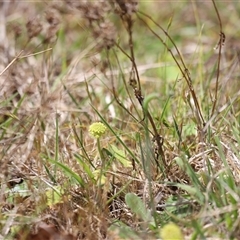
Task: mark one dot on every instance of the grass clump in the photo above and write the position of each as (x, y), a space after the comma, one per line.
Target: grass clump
(119, 121)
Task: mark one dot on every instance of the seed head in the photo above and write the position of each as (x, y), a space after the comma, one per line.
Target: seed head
(97, 129)
(171, 231)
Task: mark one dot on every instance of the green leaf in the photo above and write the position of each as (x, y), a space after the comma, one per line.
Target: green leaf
(69, 172)
(124, 231)
(137, 206)
(191, 190)
(84, 165)
(54, 196)
(120, 156)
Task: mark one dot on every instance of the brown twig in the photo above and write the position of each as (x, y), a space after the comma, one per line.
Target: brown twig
(219, 46)
(14, 60)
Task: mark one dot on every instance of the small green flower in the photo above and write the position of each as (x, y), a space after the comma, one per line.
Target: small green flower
(171, 231)
(97, 129)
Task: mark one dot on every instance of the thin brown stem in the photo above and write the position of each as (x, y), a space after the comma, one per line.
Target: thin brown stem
(219, 46)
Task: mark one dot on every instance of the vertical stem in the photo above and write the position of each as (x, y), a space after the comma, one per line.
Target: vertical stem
(99, 192)
(100, 152)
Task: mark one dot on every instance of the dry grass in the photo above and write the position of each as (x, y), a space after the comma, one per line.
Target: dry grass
(170, 102)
